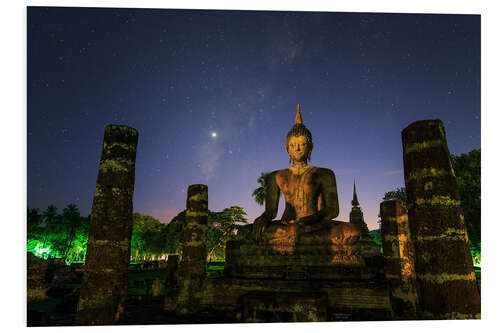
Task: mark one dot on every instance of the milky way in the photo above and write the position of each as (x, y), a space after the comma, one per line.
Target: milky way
(178, 76)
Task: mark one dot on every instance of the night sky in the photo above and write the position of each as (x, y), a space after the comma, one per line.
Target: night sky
(214, 93)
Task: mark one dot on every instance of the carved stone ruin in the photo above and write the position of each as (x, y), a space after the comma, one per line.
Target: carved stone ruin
(105, 277)
(192, 269)
(303, 267)
(356, 217)
(398, 259)
(443, 263)
(367, 246)
(37, 283)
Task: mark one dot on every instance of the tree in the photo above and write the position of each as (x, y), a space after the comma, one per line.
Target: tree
(71, 220)
(222, 227)
(467, 169)
(148, 237)
(174, 233)
(60, 236)
(259, 193)
(398, 194)
(49, 224)
(79, 245)
(34, 231)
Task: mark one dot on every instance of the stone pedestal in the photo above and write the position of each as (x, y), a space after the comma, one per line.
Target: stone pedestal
(36, 273)
(398, 259)
(105, 277)
(270, 307)
(193, 264)
(321, 251)
(171, 288)
(296, 299)
(443, 263)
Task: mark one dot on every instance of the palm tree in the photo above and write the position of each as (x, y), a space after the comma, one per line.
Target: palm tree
(71, 217)
(48, 219)
(259, 193)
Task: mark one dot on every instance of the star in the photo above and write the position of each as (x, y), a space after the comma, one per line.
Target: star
(214, 135)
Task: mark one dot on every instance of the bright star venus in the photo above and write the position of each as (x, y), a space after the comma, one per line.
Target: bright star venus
(214, 134)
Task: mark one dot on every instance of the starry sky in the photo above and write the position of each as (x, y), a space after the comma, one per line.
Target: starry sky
(213, 94)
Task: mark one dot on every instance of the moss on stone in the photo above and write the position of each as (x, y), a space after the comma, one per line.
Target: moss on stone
(196, 214)
(419, 146)
(201, 196)
(445, 277)
(116, 165)
(437, 200)
(448, 234)
(428, 173)
(126, 146)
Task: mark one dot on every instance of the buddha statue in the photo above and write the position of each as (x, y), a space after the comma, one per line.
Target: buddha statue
(311, 203)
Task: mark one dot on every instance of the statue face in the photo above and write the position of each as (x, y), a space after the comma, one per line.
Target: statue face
(298, 148)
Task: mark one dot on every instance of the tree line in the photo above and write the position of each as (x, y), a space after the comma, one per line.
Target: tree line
(65, 235)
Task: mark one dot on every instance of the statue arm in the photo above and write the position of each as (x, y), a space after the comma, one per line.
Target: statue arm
(272, 197)
(272, 200)
(329, 208)
(330, 197)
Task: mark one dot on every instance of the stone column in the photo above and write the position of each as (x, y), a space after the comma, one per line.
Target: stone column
(105, 277)
(398, 259)
(193, 263)
(443, 262)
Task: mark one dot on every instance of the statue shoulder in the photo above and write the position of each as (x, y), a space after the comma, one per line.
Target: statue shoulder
(279, 173)
(326, 172)
(274, 174)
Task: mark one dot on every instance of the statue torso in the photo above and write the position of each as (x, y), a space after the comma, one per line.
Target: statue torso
(301, 189)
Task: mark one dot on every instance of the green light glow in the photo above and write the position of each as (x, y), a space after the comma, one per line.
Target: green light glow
(41, 251)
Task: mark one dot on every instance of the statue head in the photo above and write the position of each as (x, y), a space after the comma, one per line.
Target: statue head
(299, 130)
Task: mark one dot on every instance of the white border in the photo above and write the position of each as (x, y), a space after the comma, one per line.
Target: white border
(13, 88)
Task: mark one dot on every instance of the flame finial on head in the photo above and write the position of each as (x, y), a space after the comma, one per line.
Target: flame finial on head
(298, 117)
(299, 129)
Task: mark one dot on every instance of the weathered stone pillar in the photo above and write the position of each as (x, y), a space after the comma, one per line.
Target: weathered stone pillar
(443, 262)
(105, 277)
(398, 259)
(193, 263)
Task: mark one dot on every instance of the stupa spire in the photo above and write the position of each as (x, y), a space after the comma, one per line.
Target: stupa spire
(298, 117)
(355, 201)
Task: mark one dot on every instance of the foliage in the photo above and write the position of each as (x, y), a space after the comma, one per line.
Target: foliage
(222, 227)
(174, 233)
(148, 238)
(467, 169)
(53, 235)
(259, 193)
(377, 238)
(71, 220)
(398, 194)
